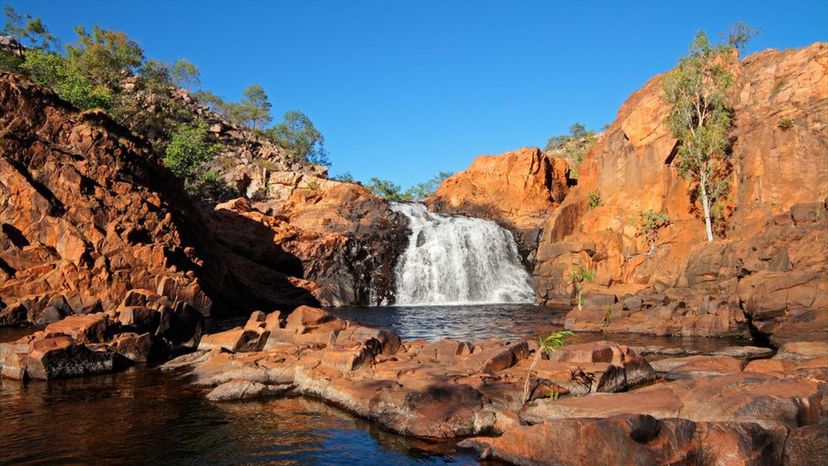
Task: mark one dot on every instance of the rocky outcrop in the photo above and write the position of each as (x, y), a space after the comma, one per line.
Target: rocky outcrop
(87, 215)
(601, 394)
(83, 219)
(518, 190)
(144, 327)
(280, 213)
(769, 273)
(336, 235)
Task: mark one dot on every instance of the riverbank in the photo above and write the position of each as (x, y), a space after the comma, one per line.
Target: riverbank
(677, 408)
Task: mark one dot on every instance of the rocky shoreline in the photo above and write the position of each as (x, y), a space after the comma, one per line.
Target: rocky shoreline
(740, 402)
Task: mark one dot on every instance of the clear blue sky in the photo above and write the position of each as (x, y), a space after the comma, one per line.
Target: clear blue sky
(403, 89)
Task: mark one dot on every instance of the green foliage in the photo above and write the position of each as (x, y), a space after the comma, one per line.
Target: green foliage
(577, 276)
(344, 178)
(649, 222)
(701, 119)
(739, 36)
(785, 124)
(254, 108)
(28, 31)
(10, 61)
(297, 134)
(104, 57)
(607, 318)
(425, 189)
(188, 150)
(594, 200)
(54, 70)
(546, 345)
(387, 190)
(252, 111)
(392, 191)
(573, 146)
(313, 185)
(185, 75)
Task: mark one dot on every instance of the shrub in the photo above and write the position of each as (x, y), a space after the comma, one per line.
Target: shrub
(297, 134)
(344, 178)
(579, 275)
(546, 345)
(649, 223)
(387, 190)
(188, 149)
(594, 200)
(785, 124)
(425, 189)
(573, 146)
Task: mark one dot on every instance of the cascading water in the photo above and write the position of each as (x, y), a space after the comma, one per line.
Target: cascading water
(458, 260)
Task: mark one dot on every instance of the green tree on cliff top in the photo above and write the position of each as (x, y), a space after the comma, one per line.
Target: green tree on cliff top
(701, 120)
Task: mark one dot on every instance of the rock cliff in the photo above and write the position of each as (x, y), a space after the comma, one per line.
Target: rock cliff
(767, 272)
(517, 189)
(88, 214)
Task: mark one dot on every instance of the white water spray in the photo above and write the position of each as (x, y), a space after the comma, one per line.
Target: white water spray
(458, 260)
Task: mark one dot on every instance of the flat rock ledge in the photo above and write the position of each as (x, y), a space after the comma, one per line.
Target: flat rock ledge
(592, 403)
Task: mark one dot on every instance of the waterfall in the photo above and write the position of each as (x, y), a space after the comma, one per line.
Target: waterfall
(458, 260)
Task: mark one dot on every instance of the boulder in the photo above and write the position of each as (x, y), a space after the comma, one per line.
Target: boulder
(60, 356)
(633, 439)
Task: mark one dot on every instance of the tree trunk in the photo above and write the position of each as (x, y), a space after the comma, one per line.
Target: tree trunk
(708, 225)
(529, 375)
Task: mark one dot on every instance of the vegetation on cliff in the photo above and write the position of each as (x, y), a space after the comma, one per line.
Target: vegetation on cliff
(572, 147)
(701, 119)
(96, 70)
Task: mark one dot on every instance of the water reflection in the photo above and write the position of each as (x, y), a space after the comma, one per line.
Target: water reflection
(142, 416)
(508, 321)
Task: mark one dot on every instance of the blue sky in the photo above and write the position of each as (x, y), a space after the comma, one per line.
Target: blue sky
(403, 89)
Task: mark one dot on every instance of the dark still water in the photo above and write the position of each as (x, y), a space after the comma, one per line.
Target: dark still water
(144, 416)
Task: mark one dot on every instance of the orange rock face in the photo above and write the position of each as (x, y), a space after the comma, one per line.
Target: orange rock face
(517, 189)
(775, 211)
(82, 219)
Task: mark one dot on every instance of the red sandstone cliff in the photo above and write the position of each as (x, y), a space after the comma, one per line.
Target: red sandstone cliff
(772, 265)
(517, 190)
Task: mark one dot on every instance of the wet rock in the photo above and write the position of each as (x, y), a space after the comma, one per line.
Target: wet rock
(235, 390)
(633, 440)
(60, 356)
(134, 347)
(763, 399)
(807, 445)
(83, 328)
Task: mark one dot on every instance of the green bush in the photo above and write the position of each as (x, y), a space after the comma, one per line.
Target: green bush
(785, 124)
(188, 150)
(573, 146)
(594, 200)
(297, 134)
(387, 190)
(649, 223)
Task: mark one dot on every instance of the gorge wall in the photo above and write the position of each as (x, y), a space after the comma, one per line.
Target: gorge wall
(767, 272)
(88, 216)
